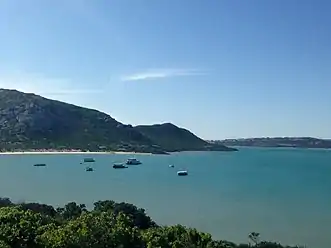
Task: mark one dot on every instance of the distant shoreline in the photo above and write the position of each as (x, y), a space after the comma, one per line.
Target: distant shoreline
(277, 142)
(281, 147)
(70, 152)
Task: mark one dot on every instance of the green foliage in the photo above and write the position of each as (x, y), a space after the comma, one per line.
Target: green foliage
(136, 215)
(3, 244)
(39, 208)
(176, 237)
(5, 202)
(254, 237)
(108, 225)
(19, 228)
(99, 230)
(71, 210)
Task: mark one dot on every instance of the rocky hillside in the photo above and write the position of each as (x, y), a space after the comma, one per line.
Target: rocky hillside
(173, 138)
(29, 121)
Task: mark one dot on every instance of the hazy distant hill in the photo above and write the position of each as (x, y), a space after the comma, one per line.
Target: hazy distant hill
(299, 142)
(173, 138)
(29, 121)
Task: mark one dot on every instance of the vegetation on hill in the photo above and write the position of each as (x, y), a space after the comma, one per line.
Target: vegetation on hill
(108, 225)
(295, 142)
(29, 121)
(173, 138)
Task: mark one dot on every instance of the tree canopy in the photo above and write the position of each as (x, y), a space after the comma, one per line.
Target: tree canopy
(108, 225)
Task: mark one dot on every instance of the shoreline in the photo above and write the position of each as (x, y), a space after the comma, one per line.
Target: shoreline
(70, 152)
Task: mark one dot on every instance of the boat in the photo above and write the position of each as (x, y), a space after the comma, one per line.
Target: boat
(119, 166)
(171, 166)
(39, 165)
(182, 173)
(89, 160)
(89, 169)
(133, 161)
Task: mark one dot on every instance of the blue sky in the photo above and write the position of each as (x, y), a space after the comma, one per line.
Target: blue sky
(221, 68)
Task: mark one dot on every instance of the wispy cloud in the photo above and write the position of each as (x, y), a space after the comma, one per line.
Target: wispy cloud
(162, 73)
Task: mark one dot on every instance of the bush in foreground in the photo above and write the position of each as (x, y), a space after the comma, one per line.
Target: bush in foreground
(108, 225)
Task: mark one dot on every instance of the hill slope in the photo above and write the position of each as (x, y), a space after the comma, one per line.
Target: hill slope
(173, 138)
(29, 121)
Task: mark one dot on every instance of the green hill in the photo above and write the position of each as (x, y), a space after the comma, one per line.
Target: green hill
(173, 138)
(29, 121)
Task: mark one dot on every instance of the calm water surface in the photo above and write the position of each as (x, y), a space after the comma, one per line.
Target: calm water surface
(284, 194)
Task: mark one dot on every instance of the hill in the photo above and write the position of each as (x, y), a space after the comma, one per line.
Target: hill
(173, 138)
(29, 121)
(298, 142)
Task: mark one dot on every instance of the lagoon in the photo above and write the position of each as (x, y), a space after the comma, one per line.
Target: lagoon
(282, 193)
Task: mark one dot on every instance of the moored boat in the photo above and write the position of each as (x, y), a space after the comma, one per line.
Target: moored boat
(89, 169)
(39, 165)
(133, 161)
(182, 173)
(89, 160)
(119, 166)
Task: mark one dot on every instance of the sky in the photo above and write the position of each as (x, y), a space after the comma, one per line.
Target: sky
(220, 68)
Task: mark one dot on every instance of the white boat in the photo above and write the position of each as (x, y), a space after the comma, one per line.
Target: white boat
(133, 161)
(182, 173)
(171, 166)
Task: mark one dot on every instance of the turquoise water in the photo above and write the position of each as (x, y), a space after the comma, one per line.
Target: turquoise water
(285, 194)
